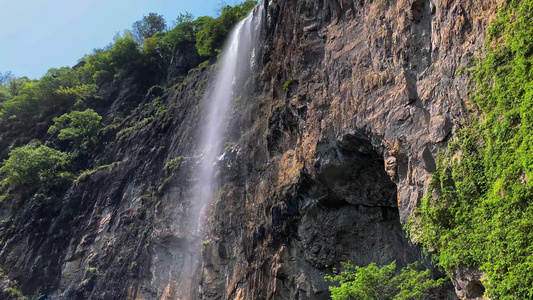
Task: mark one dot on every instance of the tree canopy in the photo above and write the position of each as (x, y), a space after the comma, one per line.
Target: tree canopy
(373, 282)
(5, 78)
(147, 27)
(79, 126)
(211, 37)
(33, 164)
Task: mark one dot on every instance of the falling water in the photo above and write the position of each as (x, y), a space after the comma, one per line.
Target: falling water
(237, 63)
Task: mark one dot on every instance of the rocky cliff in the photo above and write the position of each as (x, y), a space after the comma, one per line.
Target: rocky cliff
(329, 149)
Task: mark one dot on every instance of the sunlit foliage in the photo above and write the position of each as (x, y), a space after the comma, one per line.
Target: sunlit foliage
(479, 209)
(373, 282)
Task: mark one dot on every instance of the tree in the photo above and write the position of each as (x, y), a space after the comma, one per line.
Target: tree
(32, 165)
(233, 14)
(147, 27)
(80, 127)
(4, 95)
(5, 78)
(151, 46)
(210, 38)
(125, 55)
(115, 61)
(373, 282)
(186, 29)
(186, 26)
(16, 84)
(78, 94)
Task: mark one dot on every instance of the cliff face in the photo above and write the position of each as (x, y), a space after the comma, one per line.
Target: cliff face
(328, 153)
(359, 97)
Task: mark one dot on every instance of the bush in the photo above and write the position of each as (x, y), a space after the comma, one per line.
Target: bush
(16, 85)
(23, 107)
(80, 127)
(125, 55)
(34, 165)
(77, 94)
(373, 282)
(211, 37)
(101, 77)
(288, 84)
(150, 46)
(186, 29)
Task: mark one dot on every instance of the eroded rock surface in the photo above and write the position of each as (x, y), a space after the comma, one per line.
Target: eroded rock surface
(358, 95)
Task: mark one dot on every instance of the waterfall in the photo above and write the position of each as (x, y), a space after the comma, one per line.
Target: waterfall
(237, 62)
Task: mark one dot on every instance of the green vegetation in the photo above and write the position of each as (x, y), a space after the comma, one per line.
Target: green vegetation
(148, 27)
(88, 173)
(149, 46)
(78, 94)
(124, 57)
(211, 37)
(479, 209)
(373, 282)
(11, 291)
(186, 29)
(35, 165)
(32, 98)
(173, 164)
(287, 85)
(4, 95)
(207, 33)
(80, 127)
(5, 79)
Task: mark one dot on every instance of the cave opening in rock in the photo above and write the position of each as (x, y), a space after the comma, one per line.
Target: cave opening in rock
(352, 213)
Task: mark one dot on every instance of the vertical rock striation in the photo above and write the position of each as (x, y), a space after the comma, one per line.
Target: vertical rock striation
(358, 98)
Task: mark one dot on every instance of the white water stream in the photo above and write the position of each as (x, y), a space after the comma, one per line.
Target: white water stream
(238, 57)
(236, 63)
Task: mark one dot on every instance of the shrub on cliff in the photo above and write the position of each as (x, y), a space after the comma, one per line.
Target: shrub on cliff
(373, 282)
(80, 127)
(15, 85)
(35, 165)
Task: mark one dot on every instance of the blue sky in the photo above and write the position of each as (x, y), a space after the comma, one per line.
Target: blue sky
(36, 35)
